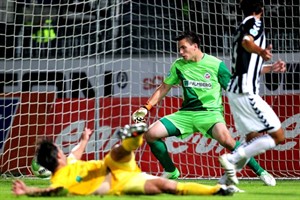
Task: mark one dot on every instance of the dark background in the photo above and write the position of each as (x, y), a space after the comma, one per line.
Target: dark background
(147, 28)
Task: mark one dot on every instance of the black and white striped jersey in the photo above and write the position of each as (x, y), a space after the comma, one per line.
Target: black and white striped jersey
(246, 66)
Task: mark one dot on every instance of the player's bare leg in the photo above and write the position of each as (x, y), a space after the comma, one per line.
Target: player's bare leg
(163, 185)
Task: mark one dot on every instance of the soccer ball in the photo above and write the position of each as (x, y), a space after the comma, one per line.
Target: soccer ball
(38, 170)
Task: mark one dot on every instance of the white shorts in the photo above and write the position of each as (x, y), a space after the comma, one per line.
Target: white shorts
(252, 114)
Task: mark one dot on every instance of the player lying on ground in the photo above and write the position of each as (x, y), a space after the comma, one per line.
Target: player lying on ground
(117, 174)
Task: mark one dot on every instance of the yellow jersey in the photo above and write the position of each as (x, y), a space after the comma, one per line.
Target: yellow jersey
(80, 177)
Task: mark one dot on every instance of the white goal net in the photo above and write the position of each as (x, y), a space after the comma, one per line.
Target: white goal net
(68, 64)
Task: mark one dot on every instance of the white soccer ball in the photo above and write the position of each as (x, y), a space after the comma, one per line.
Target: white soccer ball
(38, 170)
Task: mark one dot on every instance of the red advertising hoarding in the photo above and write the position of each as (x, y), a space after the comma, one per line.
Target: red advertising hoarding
(40, 114)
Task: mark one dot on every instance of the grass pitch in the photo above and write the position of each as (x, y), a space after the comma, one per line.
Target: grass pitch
(254, 189)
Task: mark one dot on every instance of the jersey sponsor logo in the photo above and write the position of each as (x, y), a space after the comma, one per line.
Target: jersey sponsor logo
(197, 84)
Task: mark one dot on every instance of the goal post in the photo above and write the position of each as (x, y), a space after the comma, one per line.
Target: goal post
(70, 64)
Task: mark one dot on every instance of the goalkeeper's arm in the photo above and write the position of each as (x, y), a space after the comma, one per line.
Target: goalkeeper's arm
(160, 92)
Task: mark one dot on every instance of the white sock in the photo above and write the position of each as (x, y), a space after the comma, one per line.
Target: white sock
(254, 147)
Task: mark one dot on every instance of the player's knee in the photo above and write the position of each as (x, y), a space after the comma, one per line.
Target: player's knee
(150, 136)
(154, 133)
(222, 135)
(167, 186)
(252, 135)
(226, 141)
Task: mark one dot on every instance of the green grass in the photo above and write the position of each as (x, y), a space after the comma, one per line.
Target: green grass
(284, 190)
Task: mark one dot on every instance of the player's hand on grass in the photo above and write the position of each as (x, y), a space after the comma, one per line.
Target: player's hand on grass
(139, 115)
(19, 187)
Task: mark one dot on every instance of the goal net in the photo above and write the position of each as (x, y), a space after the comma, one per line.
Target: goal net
(70, 64)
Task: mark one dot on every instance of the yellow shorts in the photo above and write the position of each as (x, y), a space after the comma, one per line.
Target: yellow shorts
(127, 177)
(129, 182)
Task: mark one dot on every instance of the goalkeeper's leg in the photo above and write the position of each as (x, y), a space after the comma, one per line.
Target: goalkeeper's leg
(160, 151)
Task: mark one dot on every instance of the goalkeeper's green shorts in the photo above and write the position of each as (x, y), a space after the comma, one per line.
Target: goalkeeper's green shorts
(184, 123)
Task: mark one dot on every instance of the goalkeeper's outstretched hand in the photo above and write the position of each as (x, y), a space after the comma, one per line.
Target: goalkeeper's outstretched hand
(139, 115)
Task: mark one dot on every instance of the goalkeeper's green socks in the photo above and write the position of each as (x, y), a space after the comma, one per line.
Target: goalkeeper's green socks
(160, 151)
(253, 164)
(196, 189)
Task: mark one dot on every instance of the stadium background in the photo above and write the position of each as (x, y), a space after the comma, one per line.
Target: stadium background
(108, 57)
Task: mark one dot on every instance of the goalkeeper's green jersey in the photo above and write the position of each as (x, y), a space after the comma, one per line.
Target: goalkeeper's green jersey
(201, 82)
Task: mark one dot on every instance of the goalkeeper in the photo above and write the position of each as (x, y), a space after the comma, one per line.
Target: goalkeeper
(117, 174)
(202, 78)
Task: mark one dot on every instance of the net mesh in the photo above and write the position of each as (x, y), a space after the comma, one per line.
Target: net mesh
(68, 64)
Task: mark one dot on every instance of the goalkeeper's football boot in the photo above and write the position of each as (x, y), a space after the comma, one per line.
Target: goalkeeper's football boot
(171, 175)
(131, 131)
(225, 191)
(230, 168)
(267, 178)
